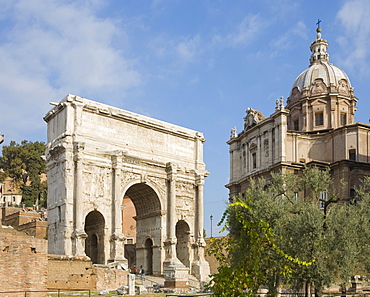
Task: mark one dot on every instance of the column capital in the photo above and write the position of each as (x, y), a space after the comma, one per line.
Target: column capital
(171, 168)
(117, 159)
(118, 237)
(79, 148)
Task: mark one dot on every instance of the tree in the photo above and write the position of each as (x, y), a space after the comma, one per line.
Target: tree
(294, 230)
(24, 164)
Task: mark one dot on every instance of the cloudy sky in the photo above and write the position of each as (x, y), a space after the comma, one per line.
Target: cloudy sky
(195, 63)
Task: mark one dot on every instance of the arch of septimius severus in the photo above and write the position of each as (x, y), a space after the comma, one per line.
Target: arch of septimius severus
(97, 155)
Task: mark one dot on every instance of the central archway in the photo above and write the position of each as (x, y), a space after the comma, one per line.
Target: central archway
(94, 244)
(148, 217)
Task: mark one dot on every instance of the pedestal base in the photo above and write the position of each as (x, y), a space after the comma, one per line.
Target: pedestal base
(176, 284)
(201, 270)
(176, 275)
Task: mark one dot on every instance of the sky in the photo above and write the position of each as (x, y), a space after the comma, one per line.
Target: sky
(195, 63)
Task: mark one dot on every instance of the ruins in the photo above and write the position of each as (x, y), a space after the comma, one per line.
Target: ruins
(96, 156)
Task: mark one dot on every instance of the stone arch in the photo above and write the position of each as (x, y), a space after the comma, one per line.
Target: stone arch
(94, 244)
(145, 199)
(183, 242)
(148, 209)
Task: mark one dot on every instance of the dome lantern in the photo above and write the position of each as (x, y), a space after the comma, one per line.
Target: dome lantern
(318, 49)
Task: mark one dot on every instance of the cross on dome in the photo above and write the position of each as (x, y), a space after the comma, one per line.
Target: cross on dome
(319, 47)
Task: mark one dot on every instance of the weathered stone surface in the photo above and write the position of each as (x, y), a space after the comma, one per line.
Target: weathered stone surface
(97, 155)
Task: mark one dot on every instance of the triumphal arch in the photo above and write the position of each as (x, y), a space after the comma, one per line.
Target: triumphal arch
(97, 155)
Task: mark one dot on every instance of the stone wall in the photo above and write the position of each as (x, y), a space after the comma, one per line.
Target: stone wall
(26, 266)
(213, 264)
(23, 262)
(66, 273)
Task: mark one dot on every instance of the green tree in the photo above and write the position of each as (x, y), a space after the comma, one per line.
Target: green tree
(24, 164)
(294, 230)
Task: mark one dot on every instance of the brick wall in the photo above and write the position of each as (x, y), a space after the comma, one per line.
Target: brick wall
(110, 279)
(70, 273)
(78, 273)
(213, 263)
(35, 228)
(23, 261)
(6, 211)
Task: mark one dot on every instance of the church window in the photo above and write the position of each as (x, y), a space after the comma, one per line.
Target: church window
(254, 160)
(343, 119)
(296, 125)
(352, 155)
(323, 199)
(352, 193)
(319, 119)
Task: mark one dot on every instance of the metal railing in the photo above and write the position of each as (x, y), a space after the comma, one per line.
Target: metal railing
(58, 292)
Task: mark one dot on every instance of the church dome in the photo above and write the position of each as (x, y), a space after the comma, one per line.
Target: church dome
(321, 71)
(330, 74)
(322, 97)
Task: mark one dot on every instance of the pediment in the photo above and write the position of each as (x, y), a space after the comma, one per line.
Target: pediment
(319, 101)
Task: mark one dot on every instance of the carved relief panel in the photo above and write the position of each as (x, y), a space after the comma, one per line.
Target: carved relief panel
(185, 194)
(97, 181)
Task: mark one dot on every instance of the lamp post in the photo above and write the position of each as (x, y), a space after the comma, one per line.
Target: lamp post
(211, 217)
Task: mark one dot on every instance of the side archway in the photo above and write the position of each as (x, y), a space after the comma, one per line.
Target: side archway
(94, 244)
(183, 242)
(148, 256)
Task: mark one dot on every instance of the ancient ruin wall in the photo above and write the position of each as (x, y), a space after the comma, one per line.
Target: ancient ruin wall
(23, 262)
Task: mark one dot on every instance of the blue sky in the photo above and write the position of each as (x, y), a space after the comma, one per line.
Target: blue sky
(195, 63)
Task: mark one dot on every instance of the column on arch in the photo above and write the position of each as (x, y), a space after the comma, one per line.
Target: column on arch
(79, 235)
(117, 239)
(171, 240)
(200, 267)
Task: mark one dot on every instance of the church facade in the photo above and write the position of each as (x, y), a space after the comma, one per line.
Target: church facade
(315, 126)
(97, 156)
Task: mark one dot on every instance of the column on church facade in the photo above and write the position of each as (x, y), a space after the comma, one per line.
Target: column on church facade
(271, 147)
(259, 150)
(79, 234)
(117, 239)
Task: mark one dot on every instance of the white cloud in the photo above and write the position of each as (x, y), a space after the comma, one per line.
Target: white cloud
(354, 16)
(53, 48)
(288, 39)
(243, 34)
(189, 48)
